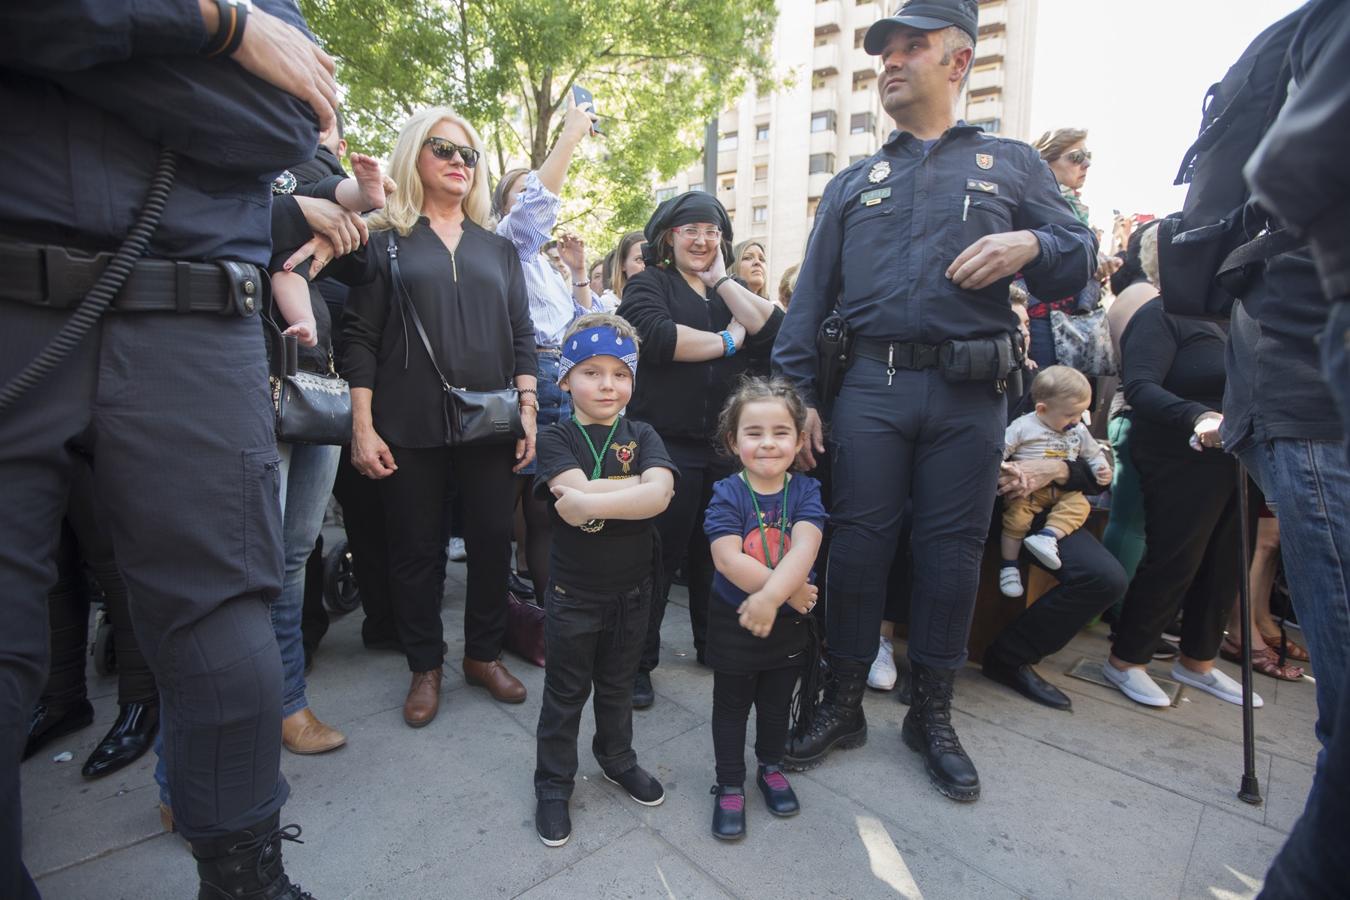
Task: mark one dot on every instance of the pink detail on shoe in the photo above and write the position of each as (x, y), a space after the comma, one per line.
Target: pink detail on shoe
(732, 802)
(776, 781)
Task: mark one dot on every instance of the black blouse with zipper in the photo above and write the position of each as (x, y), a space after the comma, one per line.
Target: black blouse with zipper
(682, 400)
(473, 304)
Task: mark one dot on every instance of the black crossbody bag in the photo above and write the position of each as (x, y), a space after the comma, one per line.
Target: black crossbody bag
(310, 408)
(471, 417)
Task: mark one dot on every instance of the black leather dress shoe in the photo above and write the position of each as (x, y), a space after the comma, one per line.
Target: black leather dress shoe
(131, 735)
(1027, 682)
(519, 586)
(644, 695)
(51, 722)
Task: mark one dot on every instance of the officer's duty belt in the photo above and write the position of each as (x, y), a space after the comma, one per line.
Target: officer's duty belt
(897, 355)
(59, 278)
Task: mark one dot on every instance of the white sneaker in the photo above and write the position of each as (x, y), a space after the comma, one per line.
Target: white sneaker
(1045, 547)
(456, 550)
(1135, 684)
(1010, 582)
(1215, 682)
(882, 674)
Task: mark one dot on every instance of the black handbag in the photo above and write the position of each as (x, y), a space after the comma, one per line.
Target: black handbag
(471, 417)
(310, 408)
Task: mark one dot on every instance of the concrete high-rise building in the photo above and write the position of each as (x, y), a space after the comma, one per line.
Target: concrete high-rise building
(778, 150)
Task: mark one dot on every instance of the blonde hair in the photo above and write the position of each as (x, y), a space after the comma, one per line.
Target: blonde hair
(739, 254)
(622, 327)
(403, 209)
(618, 278)
(787, 284)
(1060, 383)
(1054, 144)
(1148, 256)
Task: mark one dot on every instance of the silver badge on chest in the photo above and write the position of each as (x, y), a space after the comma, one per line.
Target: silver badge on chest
(880, 172)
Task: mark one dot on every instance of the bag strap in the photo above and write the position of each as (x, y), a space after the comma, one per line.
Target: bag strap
(1259, 249)
(283, 349)
(407, 307)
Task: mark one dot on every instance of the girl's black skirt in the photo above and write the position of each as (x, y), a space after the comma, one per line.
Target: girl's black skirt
(731, 648)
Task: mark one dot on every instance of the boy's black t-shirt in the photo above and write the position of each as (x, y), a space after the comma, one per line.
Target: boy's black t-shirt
(618, 555)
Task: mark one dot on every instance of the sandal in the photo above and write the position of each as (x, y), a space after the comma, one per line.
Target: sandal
(1266, 661)
(1280, 641)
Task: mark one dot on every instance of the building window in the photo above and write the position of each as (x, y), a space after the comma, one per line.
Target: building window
(822, 40)
(818, 80)
(862, 123)
(811, 206)
(990, 125)
(858, 36)
(762, 132)
(760, 215)
(728, 184)
(761, 173)
(665, 193)
(864, 81)
(856, 158)
(822, 121)
(822, 162)
(729, 141)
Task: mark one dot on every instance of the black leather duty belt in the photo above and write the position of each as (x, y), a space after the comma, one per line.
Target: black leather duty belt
(59, 278)
(898, 355)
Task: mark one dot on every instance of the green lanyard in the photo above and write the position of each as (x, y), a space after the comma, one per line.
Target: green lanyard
(759, 518)
(596, 454)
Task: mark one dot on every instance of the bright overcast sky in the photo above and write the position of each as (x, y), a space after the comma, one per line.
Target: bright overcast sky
(1133, 73)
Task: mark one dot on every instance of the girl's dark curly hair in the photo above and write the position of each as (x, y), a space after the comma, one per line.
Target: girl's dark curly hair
(753, 389)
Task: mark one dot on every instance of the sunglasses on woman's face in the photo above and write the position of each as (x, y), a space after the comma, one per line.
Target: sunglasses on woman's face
(1078, 157)
(443, 149)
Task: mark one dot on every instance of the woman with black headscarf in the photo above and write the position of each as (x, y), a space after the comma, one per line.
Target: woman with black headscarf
(701, 330)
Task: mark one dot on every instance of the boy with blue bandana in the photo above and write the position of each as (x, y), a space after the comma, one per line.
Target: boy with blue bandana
(608, 478)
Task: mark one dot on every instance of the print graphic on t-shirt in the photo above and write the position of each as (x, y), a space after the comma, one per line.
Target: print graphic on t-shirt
(625, 453)
(777, 537)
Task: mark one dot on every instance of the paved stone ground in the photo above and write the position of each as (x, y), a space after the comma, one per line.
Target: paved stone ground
(1114, 800)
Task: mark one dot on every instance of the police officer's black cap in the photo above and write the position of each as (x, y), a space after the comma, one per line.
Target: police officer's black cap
(925, 15)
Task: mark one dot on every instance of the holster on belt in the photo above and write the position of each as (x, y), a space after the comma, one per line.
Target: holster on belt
(834, 353)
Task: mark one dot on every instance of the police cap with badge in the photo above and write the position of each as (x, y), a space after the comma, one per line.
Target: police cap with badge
(925, 15)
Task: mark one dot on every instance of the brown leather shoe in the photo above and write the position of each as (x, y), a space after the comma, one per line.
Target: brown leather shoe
(424, 698)
(303, 733)
(501, 684)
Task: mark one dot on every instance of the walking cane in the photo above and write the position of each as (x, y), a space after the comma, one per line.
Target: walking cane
(1250, 791)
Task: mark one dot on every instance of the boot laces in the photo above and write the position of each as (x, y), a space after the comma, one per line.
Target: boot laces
(265, 842)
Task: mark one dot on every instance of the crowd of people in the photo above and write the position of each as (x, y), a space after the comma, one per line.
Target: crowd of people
(579, 428)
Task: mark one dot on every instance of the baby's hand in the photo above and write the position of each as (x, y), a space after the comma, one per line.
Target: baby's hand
(1104, 475)
(369, 178)
(573, 505)
(757, 614)
(803, 599)
(305, 331)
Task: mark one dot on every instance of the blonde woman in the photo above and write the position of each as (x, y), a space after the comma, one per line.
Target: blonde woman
(466, 286)
(752, 266)
(626, 263)
(787, 284)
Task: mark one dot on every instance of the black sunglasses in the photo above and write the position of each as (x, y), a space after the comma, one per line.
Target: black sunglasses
(1078, 157)
(443, 149)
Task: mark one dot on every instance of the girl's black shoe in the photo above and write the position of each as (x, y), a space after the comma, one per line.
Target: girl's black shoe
(778, 794)
(728, 822)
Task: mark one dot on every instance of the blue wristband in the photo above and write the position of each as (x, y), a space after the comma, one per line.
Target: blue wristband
(728, 342)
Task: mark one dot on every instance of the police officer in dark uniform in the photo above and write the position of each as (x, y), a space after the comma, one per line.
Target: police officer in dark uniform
(117, 114)
(916, 247)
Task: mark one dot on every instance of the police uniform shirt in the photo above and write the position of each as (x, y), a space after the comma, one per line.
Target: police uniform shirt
(617, 555)
(889, 226)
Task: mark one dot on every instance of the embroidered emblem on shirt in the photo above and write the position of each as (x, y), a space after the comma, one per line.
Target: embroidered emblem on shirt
(984, 160)
(880, 172)
(284, 183)
(625, 454)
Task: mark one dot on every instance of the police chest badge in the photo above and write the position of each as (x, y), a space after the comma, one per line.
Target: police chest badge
(284, 183)
(984, 160)
(880, 172)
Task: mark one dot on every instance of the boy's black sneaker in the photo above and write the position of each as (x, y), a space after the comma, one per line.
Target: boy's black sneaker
(644, 695)
(640, 785)
(778, 794)
(552, 822)
(728, 822)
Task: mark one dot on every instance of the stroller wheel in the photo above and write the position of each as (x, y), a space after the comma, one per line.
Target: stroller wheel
(340, 593)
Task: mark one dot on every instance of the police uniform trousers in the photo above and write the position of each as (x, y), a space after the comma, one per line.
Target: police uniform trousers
(918, 438)
(175, 411)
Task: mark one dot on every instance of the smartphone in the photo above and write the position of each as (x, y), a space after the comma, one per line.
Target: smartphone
(581, 96)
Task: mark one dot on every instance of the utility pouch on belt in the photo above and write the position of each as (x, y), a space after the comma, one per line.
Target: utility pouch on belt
(983, 359)
(834, 348)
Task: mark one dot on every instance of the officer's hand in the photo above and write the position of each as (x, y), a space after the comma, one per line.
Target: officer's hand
(346, 229)
(815, 441)
(371, 455)
(992, 257)
(281, 55)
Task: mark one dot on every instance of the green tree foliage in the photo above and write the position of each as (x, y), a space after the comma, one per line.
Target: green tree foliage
(658, 70)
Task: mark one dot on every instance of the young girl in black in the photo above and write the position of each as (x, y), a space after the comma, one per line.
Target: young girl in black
(764, 525)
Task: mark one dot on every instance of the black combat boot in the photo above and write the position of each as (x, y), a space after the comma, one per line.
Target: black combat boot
(928, 731)
(246, 865)
(837, 722)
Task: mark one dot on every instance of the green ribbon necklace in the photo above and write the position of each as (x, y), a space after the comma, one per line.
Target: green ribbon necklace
(594, 525)
(759, 518)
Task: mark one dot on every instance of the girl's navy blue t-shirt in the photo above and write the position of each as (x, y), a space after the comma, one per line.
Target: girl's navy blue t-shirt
(731, 512)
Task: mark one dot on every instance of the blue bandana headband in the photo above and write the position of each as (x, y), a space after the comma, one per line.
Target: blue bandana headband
(602, 340)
